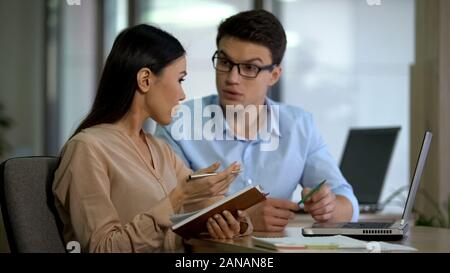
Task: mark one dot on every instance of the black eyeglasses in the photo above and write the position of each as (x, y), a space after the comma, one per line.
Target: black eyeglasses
(246, 70)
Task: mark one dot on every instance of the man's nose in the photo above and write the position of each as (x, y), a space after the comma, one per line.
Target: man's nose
(233, 75)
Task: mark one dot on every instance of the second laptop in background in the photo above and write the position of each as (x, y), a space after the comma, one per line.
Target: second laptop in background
(365, 161)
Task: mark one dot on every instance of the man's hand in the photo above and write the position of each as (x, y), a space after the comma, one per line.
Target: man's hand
(272, 215)
(321, 205)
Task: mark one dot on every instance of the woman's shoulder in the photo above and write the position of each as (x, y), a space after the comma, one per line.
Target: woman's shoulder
(91, 134)
(96, 136)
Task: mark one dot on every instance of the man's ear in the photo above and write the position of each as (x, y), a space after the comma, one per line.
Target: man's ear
(275, 75)
(144, 79)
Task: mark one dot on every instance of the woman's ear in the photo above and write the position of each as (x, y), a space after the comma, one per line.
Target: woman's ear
(144, 79)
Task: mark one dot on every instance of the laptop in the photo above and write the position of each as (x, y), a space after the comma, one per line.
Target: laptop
(365, 162)
(378, 230)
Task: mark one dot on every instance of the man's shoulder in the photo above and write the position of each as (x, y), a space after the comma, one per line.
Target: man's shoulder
(292, 113)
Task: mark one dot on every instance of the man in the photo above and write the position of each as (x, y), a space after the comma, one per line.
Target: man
(250, 48)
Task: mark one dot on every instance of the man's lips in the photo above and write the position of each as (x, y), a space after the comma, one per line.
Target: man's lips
(231, 93)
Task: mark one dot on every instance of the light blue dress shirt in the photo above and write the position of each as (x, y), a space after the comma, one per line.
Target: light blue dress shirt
(300, 157)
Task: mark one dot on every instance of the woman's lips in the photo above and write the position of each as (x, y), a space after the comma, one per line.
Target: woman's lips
(175, 109)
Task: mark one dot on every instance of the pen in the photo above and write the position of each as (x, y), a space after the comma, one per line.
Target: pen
(308, 196)
(201, 175)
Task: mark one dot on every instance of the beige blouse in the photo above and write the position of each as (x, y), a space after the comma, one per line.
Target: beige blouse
(110, 199)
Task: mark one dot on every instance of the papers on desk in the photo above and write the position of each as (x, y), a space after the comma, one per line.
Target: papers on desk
(393, 247)
(299, 243)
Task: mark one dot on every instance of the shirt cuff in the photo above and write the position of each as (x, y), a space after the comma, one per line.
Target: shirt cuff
(351, 197)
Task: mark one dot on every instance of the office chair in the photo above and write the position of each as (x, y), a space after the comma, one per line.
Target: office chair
(29, 214)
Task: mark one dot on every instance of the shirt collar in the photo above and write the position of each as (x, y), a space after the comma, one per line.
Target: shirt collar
(273, 116)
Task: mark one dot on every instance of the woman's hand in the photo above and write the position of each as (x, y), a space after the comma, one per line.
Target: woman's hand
(226, 226)
(212, 185)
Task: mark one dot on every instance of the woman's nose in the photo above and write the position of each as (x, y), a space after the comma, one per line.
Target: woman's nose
(182, 95)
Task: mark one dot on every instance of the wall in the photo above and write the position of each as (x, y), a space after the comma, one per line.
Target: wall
(21, 78)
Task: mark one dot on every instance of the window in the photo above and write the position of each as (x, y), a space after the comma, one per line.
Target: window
(348, 63)
(194, 23)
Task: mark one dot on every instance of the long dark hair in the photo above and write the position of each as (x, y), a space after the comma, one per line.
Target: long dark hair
(134, 48)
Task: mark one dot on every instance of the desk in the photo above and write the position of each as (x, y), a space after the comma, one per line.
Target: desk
(424, 239)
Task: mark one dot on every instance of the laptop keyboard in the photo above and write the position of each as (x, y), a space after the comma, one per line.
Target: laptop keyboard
(367, 225)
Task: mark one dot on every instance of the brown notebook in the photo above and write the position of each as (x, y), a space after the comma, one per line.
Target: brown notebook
(194, 223)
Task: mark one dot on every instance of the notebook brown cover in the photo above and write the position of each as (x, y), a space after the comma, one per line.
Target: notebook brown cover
(241, 200)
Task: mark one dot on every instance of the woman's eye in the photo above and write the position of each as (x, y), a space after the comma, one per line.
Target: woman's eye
(181, 80)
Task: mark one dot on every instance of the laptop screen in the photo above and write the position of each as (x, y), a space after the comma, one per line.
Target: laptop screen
(365, 161)
(417, 175)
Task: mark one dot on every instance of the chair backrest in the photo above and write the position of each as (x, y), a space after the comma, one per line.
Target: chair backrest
(29, 214)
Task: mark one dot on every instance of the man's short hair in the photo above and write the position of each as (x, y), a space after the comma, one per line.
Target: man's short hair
(256, 26)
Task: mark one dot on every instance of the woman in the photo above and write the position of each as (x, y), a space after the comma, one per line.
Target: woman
(117, 186)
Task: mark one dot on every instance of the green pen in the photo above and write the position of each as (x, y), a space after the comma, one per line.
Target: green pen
(308, 196)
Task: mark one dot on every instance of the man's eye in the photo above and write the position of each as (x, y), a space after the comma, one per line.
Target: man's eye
(181, 80)
(224, 62)
(249, 67)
